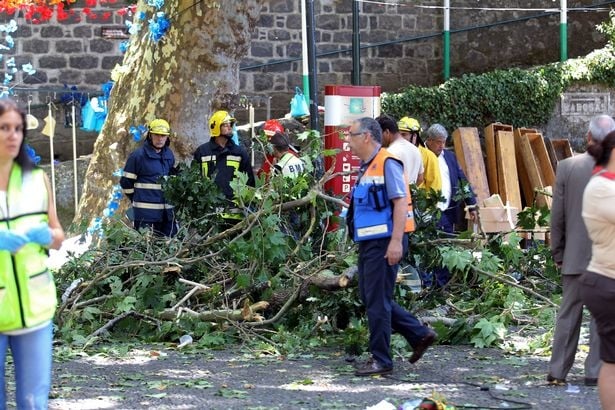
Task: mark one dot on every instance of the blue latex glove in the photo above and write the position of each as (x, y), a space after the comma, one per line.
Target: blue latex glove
(11, 241)
(40, 234)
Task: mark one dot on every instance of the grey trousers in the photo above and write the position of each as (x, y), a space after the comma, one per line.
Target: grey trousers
(567, 329)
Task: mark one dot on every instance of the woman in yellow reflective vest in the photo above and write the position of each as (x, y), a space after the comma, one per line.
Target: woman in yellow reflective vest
(29, 226)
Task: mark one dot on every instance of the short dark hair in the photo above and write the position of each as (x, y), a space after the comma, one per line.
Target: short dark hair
(601, 151)
(22, 159)
(368, 124)
(280, 141)
(388, 123)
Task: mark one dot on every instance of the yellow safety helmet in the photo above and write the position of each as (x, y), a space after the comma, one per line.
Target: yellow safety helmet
(160, 127)
(216, 120)
(409, 124)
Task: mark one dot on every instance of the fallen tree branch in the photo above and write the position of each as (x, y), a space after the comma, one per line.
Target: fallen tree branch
(503, 279)
(109, 325)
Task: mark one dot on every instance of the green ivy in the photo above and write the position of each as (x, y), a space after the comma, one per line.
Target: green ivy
(514, 96)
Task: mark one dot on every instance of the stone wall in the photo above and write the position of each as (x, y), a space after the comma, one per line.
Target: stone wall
(73, 51)
(523, 43)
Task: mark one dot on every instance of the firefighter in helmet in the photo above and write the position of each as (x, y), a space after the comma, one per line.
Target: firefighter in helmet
(410, 129)
(140, 181)
(221, 159)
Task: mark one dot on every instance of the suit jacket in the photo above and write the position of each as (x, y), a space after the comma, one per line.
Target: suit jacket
(570, 243)
(455, 211)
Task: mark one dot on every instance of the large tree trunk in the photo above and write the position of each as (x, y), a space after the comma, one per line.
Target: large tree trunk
(191, 71)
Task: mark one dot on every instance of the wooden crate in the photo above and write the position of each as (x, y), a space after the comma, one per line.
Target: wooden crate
(491, 131)
(538, 166)
(558, 149)
(527, 189)
(508, 178)
(470, 157)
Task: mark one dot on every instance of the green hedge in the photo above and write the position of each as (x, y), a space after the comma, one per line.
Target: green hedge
(515, 96)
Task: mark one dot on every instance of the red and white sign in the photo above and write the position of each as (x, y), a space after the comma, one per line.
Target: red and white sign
(344, 104)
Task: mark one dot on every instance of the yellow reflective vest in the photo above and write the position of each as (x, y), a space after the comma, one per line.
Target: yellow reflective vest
(27, 290)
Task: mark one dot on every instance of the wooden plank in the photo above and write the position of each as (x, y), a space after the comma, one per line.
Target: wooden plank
(470, 157)
(542, 159)
(551, 152)
(558, 149)
(508, 178)
(533, 167)
(492, 166)
(526, 186)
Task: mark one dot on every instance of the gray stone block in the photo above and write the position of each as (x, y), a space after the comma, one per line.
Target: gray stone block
(52, 62)
(83, 62)
(97, 77)
(293, 21)
(328, 22)
(391, 51)
(109, 62)
(278, 35)
(262, 49)
(69, 46)
(265, 20)
(82, 32)
(40, 77)
(282, 6)
(263, 82)
(35, 46)
(23, 31)
(293, 50)
(101, 46)
(71, 77)
(52, 32)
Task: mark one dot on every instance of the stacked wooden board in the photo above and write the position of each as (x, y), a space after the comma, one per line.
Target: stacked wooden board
(518, 164)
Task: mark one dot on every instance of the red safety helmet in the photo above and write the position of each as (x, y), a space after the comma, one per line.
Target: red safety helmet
(270, 127)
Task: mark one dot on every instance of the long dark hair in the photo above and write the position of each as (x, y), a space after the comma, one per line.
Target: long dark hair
(601, 151)
(22, 159)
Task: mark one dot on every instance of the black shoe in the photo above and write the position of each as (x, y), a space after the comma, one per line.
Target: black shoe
(591, 381)
(555, 381)
(420, 348)
(372, 368)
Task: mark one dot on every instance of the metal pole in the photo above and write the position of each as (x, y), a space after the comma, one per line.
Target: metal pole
(312, 64)
(75, 177)
(356, 44)
(52, 131)
(447, 40)
(304, 55)
(563, 32)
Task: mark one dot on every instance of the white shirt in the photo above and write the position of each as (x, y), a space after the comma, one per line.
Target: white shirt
(290, 166)
(410, 156)
(446, 183)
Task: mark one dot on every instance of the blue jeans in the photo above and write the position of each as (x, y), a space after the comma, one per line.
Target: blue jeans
(32, 359)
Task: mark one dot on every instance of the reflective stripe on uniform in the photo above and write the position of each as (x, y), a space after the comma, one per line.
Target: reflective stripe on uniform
(372, 179)
(144, 185)
(128, 191)
(129, 175)
(147, 205)
(233, 161)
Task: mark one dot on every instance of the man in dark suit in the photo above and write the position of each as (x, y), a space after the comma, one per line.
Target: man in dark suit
(571, 250)
(453, 181)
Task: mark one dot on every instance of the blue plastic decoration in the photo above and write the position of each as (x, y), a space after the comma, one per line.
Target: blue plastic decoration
(137, 132)
(118, 172)
(124, 46)
(28, 69)
(156, 3)
(32, 154)
(96, 226)
(158, 26)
